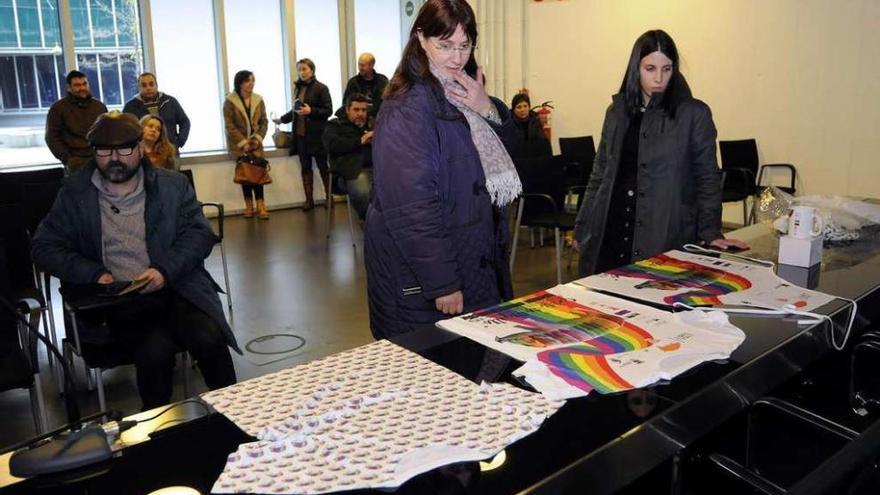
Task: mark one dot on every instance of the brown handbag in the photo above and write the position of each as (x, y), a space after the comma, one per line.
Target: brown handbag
(252, 170)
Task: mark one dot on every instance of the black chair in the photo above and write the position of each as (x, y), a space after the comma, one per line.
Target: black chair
(35, 192)
(19, 364)
(579, 154)
(542, 203)
(220, 217)
(337, 188)
(743, 178)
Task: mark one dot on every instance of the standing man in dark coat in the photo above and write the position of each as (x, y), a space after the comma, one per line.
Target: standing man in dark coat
(348, 139)
(68, 121)
(152, 101)
(121, 219)
(367, 82)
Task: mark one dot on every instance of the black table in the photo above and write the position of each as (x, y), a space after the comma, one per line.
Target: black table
(596, 444)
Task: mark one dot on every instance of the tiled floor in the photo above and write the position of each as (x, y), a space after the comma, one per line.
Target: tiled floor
(286, 279)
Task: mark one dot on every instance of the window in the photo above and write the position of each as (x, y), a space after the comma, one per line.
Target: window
(254, 42)
(106, 39)
(317, 38)
(371, 20)
(191, 75)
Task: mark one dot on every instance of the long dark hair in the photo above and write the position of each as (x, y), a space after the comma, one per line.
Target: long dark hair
(239, 79)
(437, 18)
(652, 41)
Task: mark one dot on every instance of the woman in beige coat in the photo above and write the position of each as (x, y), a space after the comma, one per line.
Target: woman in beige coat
(246, 124)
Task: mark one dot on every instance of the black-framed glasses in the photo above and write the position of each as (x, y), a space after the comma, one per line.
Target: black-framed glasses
(121, 151)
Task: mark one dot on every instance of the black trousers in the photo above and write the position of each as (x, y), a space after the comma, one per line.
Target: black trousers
(156, 327)
(256, 190)
(305, 161)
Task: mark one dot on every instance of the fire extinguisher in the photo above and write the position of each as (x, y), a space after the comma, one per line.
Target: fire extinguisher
(544, 110)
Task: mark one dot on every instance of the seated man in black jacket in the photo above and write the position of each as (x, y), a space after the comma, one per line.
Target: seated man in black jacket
(347, 139)
(121, 219)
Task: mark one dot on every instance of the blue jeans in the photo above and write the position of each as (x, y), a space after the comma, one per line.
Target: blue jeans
(359, 191)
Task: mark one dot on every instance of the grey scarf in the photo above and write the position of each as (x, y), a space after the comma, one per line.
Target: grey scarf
(502, 180)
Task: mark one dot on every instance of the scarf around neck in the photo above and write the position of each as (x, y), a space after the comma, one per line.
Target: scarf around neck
(502, 180)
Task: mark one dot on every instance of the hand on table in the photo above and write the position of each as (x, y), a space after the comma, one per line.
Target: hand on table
(729, 244)
(450, 304)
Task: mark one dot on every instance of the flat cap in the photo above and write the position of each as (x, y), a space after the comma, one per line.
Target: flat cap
(114, 129)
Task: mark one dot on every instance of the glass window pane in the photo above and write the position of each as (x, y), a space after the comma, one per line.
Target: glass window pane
(8, 39)
(371, 19)
(175, 68)
(8, 86)
(111, 92)
(130, 72)
(267, 63)
(47, 79)
(317, 38)
(51, 30)
(27, 83)
(29, 23)
(62, 75)
(79, 16)
(127, 23)
(88, 64)
(103, 30)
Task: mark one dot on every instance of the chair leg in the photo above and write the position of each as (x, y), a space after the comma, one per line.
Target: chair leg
(329, 203)
(558, 242)
(226, 276)
(519, 212)
(350, 219)
(541, 236)
(185, 360)
(38, 405)
(531, 237)
(745, 212)
(99, 384)
(48, 324)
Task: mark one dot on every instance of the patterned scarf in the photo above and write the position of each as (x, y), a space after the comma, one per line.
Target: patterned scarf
(502, 180)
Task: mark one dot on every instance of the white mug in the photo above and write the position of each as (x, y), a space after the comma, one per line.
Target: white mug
(804, 222)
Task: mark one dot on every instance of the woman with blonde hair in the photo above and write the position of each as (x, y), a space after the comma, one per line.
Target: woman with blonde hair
(156, 145)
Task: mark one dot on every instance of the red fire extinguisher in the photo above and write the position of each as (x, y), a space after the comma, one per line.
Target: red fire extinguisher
(544, 110)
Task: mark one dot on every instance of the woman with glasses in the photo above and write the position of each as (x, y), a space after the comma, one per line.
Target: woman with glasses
(436, 231)
(655, 183)
(155, 143)
(311, 109)
(246, 124)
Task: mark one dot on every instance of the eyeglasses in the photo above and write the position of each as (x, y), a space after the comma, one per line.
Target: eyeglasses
(125, 151)
(447, 47)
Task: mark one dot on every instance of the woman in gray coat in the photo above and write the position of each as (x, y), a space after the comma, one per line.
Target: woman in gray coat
(655, 183)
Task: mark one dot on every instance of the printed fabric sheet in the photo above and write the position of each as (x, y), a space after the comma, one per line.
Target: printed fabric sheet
(371, 417)
(698, 280)
(574, 340)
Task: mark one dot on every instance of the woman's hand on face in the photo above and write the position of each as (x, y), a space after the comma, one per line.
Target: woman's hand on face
(472, 94)
(729, 244)
(450, 304)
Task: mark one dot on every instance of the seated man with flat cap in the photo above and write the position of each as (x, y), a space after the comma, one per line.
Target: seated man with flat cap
(121, 219)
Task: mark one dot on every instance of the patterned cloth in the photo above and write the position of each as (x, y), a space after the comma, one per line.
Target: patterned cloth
(502, 181)
(123, 228)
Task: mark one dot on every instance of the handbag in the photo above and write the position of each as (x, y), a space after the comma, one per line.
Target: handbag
(252, 170)
(282, 139)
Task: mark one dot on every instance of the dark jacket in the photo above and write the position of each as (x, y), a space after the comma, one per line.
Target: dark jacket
(679, 187)
(342, 140)
(67, 243)
(318, 97)
(176, 121)
(356, 85)
(67, 123)
(431, 228)
(531, 140)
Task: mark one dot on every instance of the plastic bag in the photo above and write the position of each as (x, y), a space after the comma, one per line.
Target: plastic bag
(843, 217)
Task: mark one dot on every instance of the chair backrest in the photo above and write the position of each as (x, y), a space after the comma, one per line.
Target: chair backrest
(34, 190)
(17, 250)
(741, 154)
(580, 150)
(544, 175)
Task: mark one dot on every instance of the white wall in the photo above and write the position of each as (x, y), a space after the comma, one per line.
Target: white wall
(214, 183)
(800, 76)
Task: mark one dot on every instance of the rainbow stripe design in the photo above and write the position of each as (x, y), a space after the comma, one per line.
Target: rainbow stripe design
(549, 320)
(664, 272)
(581, 368)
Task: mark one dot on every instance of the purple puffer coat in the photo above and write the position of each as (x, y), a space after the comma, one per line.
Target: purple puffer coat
(431, 227)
